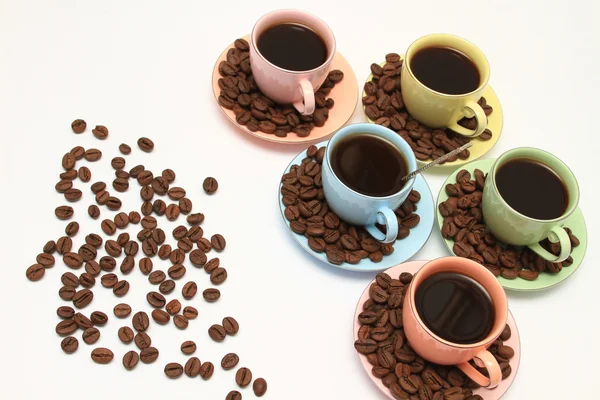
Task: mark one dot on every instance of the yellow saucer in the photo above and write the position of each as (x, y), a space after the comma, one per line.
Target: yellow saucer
(480, 147)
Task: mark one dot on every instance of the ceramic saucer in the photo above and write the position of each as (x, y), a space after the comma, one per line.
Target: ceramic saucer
(403, 249)
(487, 394)
(345, 95)
(545, 280)
(480, 147)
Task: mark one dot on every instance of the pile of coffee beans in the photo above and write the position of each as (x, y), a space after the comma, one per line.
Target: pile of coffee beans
(384, 105)
(190, 242)
(256, 111)
(308, 212)
(464, 224)
(382, 340)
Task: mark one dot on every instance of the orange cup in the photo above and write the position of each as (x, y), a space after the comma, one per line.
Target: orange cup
(437, 350)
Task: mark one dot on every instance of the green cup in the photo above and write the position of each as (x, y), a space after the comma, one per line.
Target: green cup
(517, 229)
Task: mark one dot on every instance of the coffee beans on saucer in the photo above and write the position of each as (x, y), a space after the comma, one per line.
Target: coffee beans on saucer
(382, 340)
(384, 105)
(464, 225)
(89, 271)
(309, 215)
(257, 112)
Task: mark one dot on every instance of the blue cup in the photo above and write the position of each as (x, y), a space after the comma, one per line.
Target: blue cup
(360, 209)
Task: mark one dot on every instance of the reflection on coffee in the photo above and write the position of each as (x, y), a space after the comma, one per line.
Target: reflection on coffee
(455, 307)
(369, 165)
(532, 189)
(293, 47)
(445, 70)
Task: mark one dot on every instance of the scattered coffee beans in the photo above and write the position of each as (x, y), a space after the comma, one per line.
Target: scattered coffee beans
(464, 225)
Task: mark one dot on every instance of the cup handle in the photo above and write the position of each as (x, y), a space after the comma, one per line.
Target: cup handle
(556, 234)
(386, 217)
(306, 107)
(480, 117)
(490, 363)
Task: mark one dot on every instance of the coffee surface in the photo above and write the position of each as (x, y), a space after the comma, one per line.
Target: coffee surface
(455, 307)
(532, 189)
(445, 70)
(293, 47)
(369, 165)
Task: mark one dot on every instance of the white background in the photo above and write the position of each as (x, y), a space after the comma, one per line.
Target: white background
(144, 68)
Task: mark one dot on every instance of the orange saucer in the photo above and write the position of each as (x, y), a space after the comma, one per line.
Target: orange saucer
(345, 95)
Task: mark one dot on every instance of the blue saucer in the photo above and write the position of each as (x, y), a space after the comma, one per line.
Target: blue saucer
(403, 249)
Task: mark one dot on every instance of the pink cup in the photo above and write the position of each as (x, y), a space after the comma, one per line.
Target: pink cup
(437, 350)
(285, 86)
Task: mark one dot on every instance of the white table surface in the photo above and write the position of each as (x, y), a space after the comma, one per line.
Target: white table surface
(143, 68)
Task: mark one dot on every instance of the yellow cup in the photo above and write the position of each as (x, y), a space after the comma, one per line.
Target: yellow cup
(441, 110)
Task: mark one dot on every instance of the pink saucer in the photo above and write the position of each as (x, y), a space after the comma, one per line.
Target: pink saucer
(488, 394)
(345, 95)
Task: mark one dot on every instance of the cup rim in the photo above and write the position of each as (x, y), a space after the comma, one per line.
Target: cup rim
(564, 215)
(289, 71)
(493, 335)
(482, 84)
(408, 185)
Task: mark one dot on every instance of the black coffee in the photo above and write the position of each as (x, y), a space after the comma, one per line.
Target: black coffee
(369, 165)
(455, 307)
(445, 70)
(532, 189)
(293, 47)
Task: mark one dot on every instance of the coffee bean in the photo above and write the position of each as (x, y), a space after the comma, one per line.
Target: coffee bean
(149, 355)
(243, 377)
(210, 185)
(231, 325)
(166, 287)
(126, 334)
(157, 277)
(66, 327)
(121, 288)
(102, 355)
(211, 295)
(91, 335)
(113, 203)
(67, 293)
(173, 307)
(64, 212)
(87, 280)
(82, 298)
(122, 310)
(69, 344)
(192, 367)
(218, 276)
(229, 361)
(156, 299)
(100, 132)
(188, 347)
(177, 271)
(130, 359)
(160, 317)
(259, 387)
(82, 321)
(78, 126)
(217, 333)
(107, 263)
(218, 242)
(140, 321)
(113, 248)
(206, 370)
(204, 245)
(233, 395)
(63, 185)
(180, 321)
(145, 144)
(65, 312)
(142, 340)
(189, 290)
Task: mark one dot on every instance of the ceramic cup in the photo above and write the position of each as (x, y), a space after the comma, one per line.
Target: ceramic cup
(441, 110)
(437, 350)
(517, 229)
(285, 86)
(360, 209)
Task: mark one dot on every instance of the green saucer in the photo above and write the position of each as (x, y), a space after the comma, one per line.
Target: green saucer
(545, 280)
